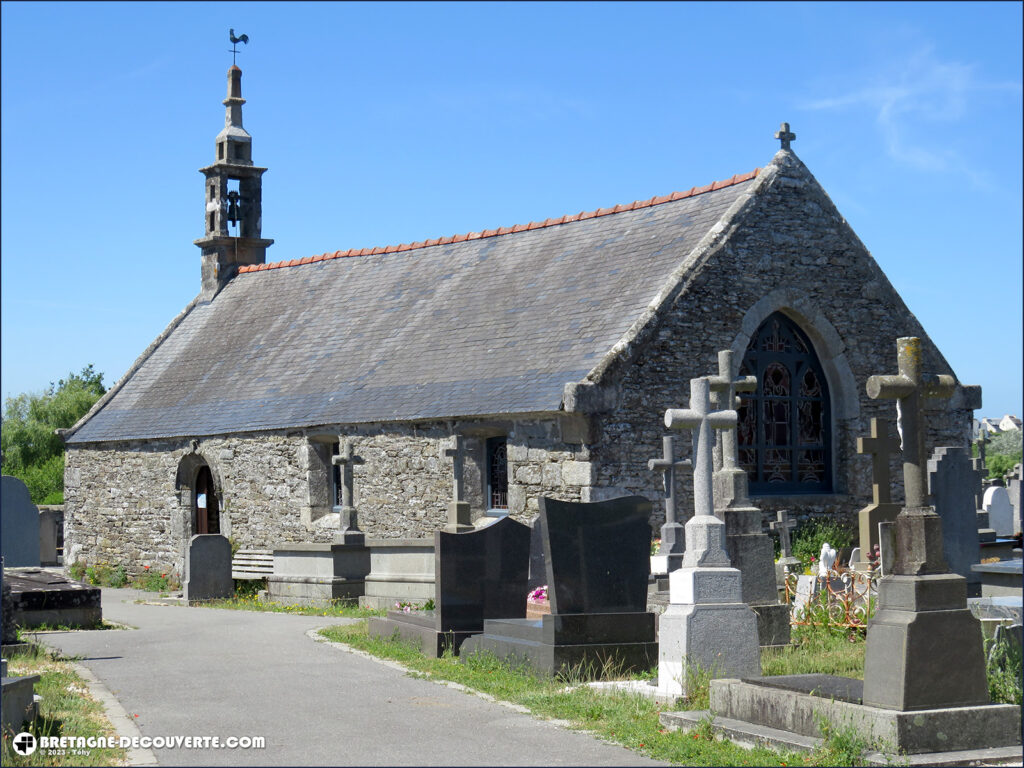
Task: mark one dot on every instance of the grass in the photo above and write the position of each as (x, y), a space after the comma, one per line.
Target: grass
(627, 719)
(66, 709)
(344, 609)
(817, 653)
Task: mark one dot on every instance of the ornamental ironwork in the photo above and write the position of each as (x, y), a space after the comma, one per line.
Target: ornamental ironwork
(784, 431)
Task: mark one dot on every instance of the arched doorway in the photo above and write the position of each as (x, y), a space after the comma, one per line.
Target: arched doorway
(205, 504)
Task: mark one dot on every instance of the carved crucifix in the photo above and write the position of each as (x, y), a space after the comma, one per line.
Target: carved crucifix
(785, 135)
(723, 390)
(348, 518)
(700, 420)
(783, 525)
(667, 466)
(879, 446)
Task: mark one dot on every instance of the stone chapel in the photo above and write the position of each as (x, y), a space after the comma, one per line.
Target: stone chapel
(551, 348)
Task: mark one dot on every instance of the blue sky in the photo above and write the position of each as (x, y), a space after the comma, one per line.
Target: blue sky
(390, 123)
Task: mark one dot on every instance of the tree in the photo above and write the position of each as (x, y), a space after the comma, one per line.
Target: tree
(31, 449)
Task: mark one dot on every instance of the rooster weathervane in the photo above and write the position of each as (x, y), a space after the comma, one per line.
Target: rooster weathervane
(234, 43)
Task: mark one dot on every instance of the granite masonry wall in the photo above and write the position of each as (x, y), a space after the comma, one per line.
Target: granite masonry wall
(792, 252)
(131, 502)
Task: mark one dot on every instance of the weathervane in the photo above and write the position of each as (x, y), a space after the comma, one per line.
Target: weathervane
(234, 43)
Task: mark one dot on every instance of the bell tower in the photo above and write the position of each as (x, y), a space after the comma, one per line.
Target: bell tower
(233, 200)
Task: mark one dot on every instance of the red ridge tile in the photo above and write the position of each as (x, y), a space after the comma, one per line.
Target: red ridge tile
(582, 215)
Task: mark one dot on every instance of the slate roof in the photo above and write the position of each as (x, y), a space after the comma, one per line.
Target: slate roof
(473, 325)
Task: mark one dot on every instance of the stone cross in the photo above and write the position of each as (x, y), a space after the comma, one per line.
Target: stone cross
(880, 445)
(667, 467)
(784, 135)
(458, 509)
(909, 387)
(458, 454)
(700, 420)
(347, 460)
(980, 471)
(724, 388)
(783, 525)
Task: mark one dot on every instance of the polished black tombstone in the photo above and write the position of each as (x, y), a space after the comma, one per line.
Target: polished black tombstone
(478, 575)
(597, 557)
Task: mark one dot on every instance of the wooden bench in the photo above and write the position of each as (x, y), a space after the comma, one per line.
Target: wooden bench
(252, 564)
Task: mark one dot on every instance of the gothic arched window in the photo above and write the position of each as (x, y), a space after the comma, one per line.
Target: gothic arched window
(784, 430)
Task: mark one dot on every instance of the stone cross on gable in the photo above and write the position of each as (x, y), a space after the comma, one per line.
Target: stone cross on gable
(880, 445)
(785, 135)
(347, 460)
(783, 525)
(458, 455)
(909, 387)
(700, 420)
(724, 388)
(667, 467)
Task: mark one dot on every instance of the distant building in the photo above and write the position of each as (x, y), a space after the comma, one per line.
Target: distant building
(553, 348)
(1009, 423)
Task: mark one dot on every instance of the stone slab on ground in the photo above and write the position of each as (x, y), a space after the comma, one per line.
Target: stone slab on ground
(43, 597)
(749, 735)
(401, 570)
(17, 701)
(1002, 578)
(318, 574)
(912, 732)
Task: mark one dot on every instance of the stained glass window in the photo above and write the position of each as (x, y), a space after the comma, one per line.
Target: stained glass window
(783, 432)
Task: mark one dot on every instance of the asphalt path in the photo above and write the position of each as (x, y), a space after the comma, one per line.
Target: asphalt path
(220, 673)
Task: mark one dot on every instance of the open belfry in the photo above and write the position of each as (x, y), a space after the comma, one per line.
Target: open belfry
(391, 391)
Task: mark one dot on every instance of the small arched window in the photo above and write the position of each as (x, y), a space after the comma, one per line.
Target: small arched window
(784, 430)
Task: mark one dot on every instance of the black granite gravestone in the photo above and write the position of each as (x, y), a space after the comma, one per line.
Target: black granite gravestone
(479, 575)
(598, 562)
(538, 569)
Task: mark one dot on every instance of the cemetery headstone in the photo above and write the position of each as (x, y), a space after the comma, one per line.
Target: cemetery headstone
(985, 531)
(855, 556)
(707, 628)
(1000, 511)
(749, 548)
(783, 525)
(950, 483)
(19, 525)
(673, 535)
(597, 557)
(348, 519)
(924, 647)
(1013, 489)
(208, 568)
(538, 569)
(886, 547)
(806, 586)
(459, 520)
(880, 446)
(478, 575)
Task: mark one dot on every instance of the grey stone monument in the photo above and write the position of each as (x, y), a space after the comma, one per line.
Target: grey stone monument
(985, 531)
(707, 627)
(208, 568)
(348, 519)
(783, 525)
(924, 647)
(1013, 490)
(673, 535)
(879, 446)
(458, 510)
(19, 525)
(749, 548)
(996, 504)
(951, 486)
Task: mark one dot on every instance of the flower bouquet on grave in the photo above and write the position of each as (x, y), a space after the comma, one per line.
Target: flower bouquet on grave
(537, 603)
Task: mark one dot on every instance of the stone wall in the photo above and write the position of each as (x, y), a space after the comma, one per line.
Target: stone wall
(790, 252)
(131, 503)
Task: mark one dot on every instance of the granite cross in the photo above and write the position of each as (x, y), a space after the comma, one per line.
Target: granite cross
(784, 135)
(724, 388)
(783, 525)
(880, 445)
(458, 454)
(667, 467)
(347, 461)
(700, 420)
(909, 387)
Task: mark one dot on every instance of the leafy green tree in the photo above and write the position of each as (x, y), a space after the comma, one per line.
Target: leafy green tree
(1002, 452)
(32, 451)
